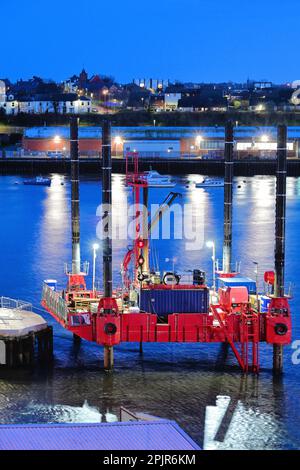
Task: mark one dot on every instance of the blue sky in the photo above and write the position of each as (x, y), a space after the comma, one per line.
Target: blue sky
(197, 40)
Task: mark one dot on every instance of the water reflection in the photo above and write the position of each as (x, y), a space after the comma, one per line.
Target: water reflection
(254, 223)
(219, 410)
(120, 201)
(54, 228)
(62, 413)
(293, 187)
(248, 427)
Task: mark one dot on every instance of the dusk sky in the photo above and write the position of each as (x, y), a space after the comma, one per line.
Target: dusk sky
(195, 40)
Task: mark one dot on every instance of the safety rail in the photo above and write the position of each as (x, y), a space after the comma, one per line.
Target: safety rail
(289, 290)
(234, 267)
(12, 304)
(53, 301)
(70, 268)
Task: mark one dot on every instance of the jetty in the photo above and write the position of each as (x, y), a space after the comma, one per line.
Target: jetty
(20, 331)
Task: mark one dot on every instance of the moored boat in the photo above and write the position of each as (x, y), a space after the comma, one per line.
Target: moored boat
(155, 180)
(38, 181)
(210, 183)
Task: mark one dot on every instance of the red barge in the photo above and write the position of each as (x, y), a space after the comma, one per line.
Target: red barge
(183, 312)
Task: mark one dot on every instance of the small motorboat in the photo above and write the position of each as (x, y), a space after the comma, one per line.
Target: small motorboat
(210, 183)
(38, 181)
(155, 180)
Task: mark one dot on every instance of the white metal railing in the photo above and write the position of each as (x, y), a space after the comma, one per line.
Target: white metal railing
(234, 267)
(289, 290)
(12, 304)
(71, 268)
(55, 303)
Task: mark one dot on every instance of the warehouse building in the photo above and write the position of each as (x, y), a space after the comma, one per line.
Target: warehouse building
(171, 142)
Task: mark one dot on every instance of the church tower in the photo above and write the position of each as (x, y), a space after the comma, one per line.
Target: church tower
(83, 79)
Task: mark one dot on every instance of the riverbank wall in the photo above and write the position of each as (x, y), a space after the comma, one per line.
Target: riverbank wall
(43, 166)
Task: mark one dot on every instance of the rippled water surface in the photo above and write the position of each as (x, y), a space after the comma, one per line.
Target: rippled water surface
(199, 386)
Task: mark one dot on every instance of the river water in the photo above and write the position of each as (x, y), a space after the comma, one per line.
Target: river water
(199, 386)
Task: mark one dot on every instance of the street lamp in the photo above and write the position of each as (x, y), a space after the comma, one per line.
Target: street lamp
(95, 248)
(198, 140)
(118, 143)
(118, 140)
(211, 244)
(105, 94)
(57, 141)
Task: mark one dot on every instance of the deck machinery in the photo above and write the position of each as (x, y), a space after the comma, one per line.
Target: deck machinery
(151, 308)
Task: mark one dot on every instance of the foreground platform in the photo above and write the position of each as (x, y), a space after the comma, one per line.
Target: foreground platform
(149, 435)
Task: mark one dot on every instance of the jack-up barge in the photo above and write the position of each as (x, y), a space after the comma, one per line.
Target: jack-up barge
(194, 314)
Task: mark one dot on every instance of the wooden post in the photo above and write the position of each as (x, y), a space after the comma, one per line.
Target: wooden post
(108, 358)
(76, 339)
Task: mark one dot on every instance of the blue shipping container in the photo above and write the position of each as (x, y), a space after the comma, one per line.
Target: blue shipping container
(168, 301)
(237, 282)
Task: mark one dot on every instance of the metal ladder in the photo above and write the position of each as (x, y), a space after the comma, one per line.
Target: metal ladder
(249, 334)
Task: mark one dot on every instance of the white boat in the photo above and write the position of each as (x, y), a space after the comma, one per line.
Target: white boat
(155, 180)
(210, 183)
